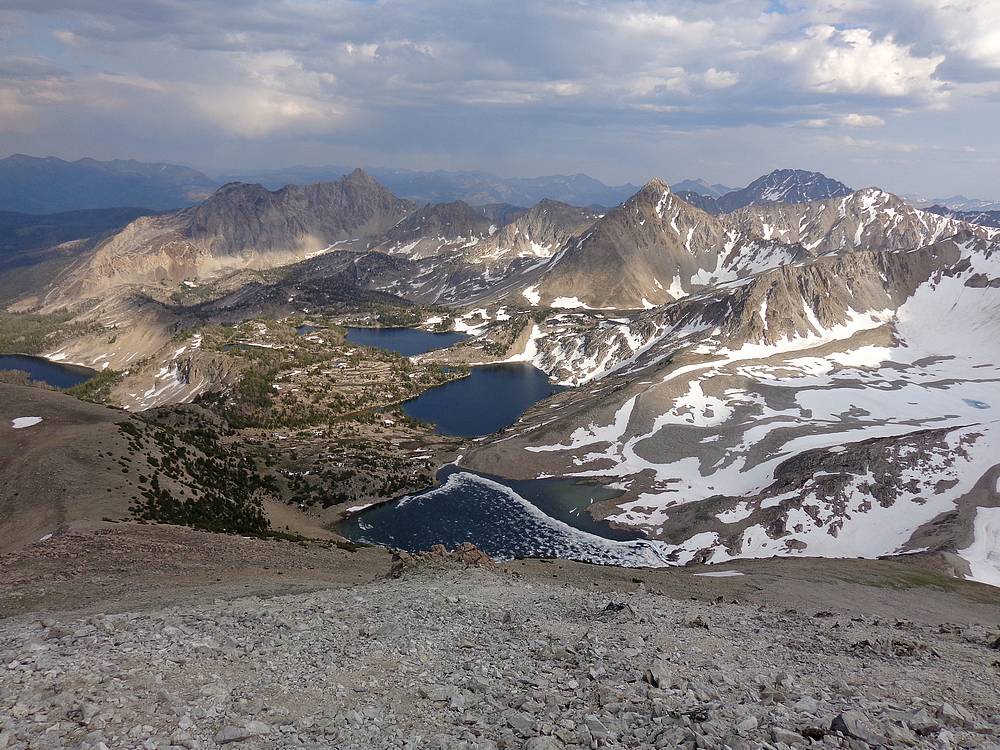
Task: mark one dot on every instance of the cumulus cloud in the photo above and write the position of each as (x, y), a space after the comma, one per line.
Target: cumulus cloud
(480, 77)
(613, 56)
(966, 33)
(853, 61)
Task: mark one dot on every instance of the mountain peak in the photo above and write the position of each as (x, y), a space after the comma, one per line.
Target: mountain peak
(358, 176)
(655, 184)
(875, 192)
(785, 186)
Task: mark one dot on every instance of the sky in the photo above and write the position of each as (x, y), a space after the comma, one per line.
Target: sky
(904, 94)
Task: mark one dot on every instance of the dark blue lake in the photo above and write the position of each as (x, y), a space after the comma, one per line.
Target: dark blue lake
(53, 373)
(490, 398)
(405, 341)
(506, 519)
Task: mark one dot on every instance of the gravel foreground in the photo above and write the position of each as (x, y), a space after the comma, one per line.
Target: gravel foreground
(450, 657)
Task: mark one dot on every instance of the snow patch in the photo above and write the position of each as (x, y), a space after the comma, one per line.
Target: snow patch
(983, 555)
(566, 302)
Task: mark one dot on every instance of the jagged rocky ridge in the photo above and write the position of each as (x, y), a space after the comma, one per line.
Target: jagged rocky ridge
(455, 254)
(652, 249)
(239, 226)
(657, 247)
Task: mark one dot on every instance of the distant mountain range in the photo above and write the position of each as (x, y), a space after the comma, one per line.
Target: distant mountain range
(474, 188)
(42, 185)
(983, 218)
(702, 187)
(953, 202)
(657, 246)
(35, 185)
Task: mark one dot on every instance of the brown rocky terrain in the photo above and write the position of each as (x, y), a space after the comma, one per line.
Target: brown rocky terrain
(273, 645)
(653, 249)
(239, 226)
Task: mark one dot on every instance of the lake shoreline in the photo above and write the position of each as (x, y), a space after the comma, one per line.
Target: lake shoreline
(506, 519)
(76, 372)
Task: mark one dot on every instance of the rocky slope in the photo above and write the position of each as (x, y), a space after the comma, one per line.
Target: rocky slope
(36, 248)
(239, 226)
(536, 233)
(870, 219)
(706, 203)
(454, 254)
(653, 249)
(448, 253)
(471, 658)
(80, 466)
(436, 228)
(657, 247)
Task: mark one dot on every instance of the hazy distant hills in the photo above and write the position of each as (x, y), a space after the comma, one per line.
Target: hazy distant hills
(41, 185)
(952, 202)
(702, 187)
(36, 185)
(474, 188)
